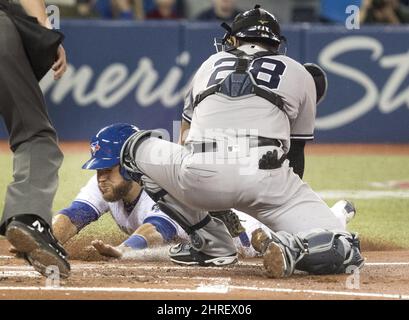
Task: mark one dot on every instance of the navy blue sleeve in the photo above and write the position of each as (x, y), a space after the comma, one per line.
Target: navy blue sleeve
(80, 214)
(163, 226)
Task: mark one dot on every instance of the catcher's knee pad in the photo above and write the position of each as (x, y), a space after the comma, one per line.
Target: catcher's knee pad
(327, 252)
(166, 203)
(130, 147)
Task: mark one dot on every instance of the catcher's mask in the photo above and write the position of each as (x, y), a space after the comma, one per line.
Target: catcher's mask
(255, 25)
(106, 147)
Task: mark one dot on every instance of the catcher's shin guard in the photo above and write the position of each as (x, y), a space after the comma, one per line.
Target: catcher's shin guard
(330, 252)
(210, 242)
(209, 236)
(197, 240)
(172, 208)
(317, 252)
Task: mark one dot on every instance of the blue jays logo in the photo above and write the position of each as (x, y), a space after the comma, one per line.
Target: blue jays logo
(95, 147)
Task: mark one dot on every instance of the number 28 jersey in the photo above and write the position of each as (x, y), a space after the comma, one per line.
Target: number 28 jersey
(219, 113)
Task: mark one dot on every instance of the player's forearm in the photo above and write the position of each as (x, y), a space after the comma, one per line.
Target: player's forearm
(63, 228)
(36, 8)
(144, 237)
(151, 235)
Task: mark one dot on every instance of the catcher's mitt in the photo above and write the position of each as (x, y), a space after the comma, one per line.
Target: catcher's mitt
(231, 220)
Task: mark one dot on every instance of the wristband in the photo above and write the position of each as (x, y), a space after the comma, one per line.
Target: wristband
(136, 242)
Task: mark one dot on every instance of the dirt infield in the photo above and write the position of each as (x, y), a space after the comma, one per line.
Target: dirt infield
(383, 277)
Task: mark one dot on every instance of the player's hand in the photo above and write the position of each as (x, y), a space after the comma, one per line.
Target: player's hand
(60, 65)
(106, 249)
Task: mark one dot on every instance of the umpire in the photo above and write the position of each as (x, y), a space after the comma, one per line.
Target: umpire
(27, 212)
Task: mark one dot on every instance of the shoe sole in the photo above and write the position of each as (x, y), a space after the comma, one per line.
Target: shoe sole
(36, 253)
(215, 262)
(274, 261)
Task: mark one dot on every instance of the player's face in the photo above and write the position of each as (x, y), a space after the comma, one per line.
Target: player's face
(112, 185)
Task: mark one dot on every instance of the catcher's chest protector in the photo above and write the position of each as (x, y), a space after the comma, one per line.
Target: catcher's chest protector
(241, 81)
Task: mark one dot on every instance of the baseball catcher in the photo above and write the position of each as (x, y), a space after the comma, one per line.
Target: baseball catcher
(245, 105)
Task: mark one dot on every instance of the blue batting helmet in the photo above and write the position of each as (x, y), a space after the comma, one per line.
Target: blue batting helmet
(106, 146)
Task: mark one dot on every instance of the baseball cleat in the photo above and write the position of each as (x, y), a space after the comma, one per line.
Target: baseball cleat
(355, 258)
(347, 208)
(274, 261)
(32, 237)
(184, 254)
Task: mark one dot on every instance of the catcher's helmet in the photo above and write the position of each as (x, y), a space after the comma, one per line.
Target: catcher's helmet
(255, 24)
(106, 146)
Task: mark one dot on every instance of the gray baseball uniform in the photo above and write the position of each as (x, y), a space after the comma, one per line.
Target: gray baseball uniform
(228, 175)
(277, 73)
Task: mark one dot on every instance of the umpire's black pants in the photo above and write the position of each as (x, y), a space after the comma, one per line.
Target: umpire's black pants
(33, 139)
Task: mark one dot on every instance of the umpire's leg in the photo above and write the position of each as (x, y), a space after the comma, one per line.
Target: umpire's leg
(33, 140)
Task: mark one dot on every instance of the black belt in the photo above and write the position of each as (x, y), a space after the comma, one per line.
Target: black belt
(254, 142)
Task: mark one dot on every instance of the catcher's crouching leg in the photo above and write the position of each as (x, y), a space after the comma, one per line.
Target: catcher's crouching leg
(316, 252)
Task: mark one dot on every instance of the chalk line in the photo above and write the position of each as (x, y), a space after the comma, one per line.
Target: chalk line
(207, 289)
(363, 194)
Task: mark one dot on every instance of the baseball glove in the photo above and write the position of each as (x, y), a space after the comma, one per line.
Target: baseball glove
(231, 220)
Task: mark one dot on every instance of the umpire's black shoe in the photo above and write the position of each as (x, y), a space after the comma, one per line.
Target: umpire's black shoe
(183, 253)
(32, 236)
